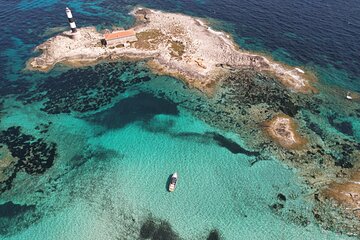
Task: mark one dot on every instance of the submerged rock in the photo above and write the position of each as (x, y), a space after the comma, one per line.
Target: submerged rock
(283, 130)
(148, 229)
(83, 90)
(213, 235)
(344, 127)
(15, 217)
(157, 230)
(281, 197)
(277, 206)
(10, 209)
(140, 107)
(34, 156)
(346, 192)
(7, 164)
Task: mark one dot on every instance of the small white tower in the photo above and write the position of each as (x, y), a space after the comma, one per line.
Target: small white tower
(71, 20)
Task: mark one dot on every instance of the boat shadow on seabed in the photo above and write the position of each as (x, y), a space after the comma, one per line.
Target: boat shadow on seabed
(168, 181)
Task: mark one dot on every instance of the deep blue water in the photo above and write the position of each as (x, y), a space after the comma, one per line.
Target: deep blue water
(322, 33)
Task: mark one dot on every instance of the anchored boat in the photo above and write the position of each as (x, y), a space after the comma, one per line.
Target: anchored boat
(348, 96)
(173, 180)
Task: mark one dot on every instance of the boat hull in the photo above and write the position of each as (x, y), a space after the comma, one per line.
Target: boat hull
(173, 182)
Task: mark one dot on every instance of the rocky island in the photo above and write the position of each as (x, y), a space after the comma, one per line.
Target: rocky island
(346, 192)
(174, 44)
(187, 48)
(282, 129)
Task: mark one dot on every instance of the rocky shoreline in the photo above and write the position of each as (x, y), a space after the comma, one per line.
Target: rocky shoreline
(177, 45)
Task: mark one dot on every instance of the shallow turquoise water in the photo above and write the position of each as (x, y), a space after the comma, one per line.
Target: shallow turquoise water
(109, 196)
(110, 176)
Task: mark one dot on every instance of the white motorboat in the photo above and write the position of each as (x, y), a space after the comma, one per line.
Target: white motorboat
(173, 180)
(348, 96)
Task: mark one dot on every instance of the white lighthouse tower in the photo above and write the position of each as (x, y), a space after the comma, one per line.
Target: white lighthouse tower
(71, 20)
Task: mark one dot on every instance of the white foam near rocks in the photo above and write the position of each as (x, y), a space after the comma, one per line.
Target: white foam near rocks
(299, 70)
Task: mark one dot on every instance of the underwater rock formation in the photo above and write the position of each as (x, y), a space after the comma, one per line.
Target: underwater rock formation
(15, 217)
(82, 90)
(7, 164)
(140, 107)
(32, 155)
(338, 204)
(282, 129)
(346, 192)
(214, 235)
(157, 230)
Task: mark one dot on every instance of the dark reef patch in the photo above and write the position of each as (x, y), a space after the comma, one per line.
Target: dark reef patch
(213, 235)
(281, 197)
(16, 217)
(77, 161)
(277, 206)
(10, 209)
(13, 87)
(157, 230)
(343, 159)
(35, 155)
(343, 152)
(96, 154)
(141, 107)
(164, 232)
(157, 126)
(316, 129)
(249, 88)
(84, 89)
(292, 215)
(344, 163)
(342, 126)
(43, 127)
(148, 229)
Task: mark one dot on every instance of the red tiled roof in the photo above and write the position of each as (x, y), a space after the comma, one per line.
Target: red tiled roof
(119, 34)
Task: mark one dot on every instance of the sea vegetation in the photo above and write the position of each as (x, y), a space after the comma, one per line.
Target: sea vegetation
(213, 235)
(15, 217)
(84, 89)
(157, 230)
(140, 107)
(28, 153)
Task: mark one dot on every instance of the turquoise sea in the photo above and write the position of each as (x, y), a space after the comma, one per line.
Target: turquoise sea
(86, 153)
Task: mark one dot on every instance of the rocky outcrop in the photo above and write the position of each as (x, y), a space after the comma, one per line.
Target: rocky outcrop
(178, 45)
(283, 130)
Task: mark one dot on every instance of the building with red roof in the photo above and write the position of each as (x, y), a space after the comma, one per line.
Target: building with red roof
(119, 37)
